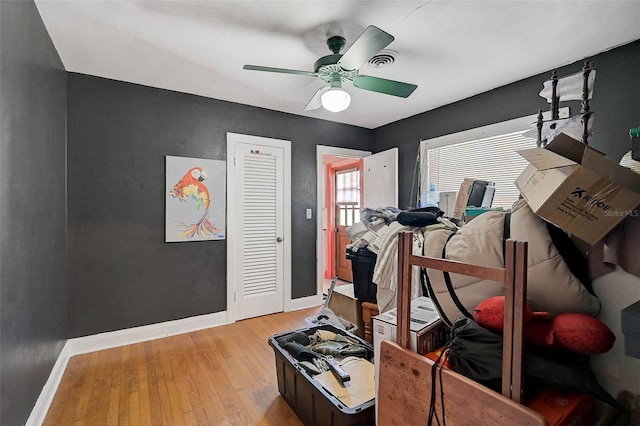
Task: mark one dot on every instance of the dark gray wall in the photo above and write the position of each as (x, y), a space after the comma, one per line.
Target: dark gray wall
(33, 292)
(616, 104)
(121, 273)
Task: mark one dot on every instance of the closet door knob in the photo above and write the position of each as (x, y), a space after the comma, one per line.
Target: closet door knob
(279, 239)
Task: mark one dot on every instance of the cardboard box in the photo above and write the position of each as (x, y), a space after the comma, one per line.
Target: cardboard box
(344, 304)
(426, 328)
(577, 189)
(472, 193)
(463, 198)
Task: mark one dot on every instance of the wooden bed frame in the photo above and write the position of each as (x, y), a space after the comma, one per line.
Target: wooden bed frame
(405, 377)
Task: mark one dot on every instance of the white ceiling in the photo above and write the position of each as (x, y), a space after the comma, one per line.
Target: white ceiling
(450, 49)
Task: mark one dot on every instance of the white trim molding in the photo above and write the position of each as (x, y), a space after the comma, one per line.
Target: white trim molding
(489, 130)
(112, 339)
(306, 302)
(41, 407)
(129, 336)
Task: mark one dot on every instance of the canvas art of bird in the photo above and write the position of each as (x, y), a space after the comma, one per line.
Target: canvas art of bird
(191, 186)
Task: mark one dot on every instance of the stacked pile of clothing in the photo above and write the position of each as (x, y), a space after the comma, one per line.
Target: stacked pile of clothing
(378, 232)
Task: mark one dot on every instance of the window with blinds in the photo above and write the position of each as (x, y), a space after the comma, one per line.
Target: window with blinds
(487, 153)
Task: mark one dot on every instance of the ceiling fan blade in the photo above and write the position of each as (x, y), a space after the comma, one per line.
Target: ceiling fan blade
(371, 41)
(316, 101)
(382, 85)
(279, 70)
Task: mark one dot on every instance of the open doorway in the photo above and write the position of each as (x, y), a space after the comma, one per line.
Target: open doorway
(337, 209)
(378, 179)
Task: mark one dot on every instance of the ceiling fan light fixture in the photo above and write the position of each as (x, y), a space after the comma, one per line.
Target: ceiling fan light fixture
(335, 99)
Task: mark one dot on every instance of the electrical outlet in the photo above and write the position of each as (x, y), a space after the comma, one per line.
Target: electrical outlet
(309, 215)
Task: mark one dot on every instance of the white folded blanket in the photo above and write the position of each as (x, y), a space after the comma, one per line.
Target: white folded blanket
(385, 274)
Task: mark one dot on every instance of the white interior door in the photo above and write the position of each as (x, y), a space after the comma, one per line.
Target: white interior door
(380, 179)
(259, 267)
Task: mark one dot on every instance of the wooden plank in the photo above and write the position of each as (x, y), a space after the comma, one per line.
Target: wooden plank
(513, 334)
(66, 398)
(519, 306)
(403, 291)
(144, 357)
(456, 267)
(406, 379)
(507, 333)
(84, 398)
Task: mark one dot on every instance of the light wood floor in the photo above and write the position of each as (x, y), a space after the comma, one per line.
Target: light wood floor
(220, 376)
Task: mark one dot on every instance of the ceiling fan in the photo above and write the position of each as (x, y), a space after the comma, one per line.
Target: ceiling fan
(338, 68)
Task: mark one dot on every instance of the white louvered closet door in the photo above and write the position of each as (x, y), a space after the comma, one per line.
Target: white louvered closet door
(260, 197)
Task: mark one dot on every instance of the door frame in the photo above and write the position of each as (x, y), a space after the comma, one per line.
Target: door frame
(234, 224)
(321, 179)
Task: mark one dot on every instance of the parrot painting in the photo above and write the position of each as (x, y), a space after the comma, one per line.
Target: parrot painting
(191, 186)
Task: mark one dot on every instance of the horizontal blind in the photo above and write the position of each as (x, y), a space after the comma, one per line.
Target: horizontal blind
(493, 158)
(484, 153)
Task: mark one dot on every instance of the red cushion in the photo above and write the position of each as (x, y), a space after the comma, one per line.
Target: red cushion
(490, 313)
(539, 333)
(582, 334)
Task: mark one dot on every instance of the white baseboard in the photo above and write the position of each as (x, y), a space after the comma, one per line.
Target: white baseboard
(112, 339)
(129, 336)
(306, 302)
(40, 409)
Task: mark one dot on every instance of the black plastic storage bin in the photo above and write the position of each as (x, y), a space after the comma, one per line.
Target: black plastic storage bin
(363, 262)
(308, 398)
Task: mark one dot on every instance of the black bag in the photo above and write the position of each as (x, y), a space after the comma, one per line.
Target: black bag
(476, 353)
(419, 217)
